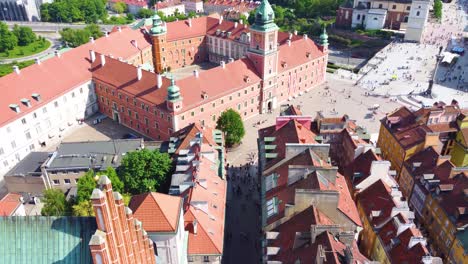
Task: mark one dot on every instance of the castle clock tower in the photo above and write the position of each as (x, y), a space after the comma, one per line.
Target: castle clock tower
(158, 36)
(263, 52)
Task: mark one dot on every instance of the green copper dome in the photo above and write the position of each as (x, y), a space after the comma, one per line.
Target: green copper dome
(324, 38)
(264, 17)
(158, 27)
(173, 91)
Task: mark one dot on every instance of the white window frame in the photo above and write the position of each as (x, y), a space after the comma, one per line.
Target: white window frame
(272, 206)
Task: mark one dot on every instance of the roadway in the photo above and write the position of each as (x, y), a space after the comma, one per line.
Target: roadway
(53, 27)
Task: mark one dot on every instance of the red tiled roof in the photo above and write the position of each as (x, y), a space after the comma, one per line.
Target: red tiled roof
(158, 212)
(188, 133)
(167, 3)
(210, 220)
(362, 165)
(215, 82)
(427, 159)
(292, 56)
(301, 223)
(9, 204)
(56, 76)
(376, 198)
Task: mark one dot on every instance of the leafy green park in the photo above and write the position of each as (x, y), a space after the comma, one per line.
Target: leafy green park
(20, 42)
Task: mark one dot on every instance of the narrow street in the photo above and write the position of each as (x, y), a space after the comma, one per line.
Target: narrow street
(243, 232)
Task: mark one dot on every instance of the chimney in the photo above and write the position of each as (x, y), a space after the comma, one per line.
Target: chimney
(139, 72)
(159, 80)
(189, 22)
(235, 24)
(37, 61)
(103, 60)
(106, 33)
(305, 36)
(119, 29)
(321, 255)
(57, 53)
(346, 238)
(223, 64)
(220, 20)
(295, 32)
(230, 60)
(16, 69)
(195, 226)
(290, 35)
(91, 39)
(289, 42)
(196, 73)
(92, 55)
(241, 22)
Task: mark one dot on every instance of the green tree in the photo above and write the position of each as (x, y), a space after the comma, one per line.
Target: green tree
(144, 170)
(55, 203)
(8, 39)
(438, 9)
(84, 208)
(117, 184)
(251, 18)
(230, 122)
(85, 186)
(25, 35)
(145, 13)
(94, 31)
(119, 7)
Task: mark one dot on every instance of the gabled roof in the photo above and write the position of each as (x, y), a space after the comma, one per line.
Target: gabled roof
(213, 83)
(188, 133)
(158, 212)
(376, 198)
(9, 204)
(207, 204)
(423, 162)
(301, 51)
(306, 253)
(41, 239)
(62, 74)
(360, 168)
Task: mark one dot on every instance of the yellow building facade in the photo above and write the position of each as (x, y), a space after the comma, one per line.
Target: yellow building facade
(441, 230)
(459, 251)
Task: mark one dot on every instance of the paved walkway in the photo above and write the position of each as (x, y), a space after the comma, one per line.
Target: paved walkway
(242, 227)
(402, 69)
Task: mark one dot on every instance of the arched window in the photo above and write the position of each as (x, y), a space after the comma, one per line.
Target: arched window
(358, 17)
(417, 13)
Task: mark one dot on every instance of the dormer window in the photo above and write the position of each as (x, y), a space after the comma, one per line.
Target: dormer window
(204, 95)
(36, 97)
(246, 79)
(15, 108)
(26, 102)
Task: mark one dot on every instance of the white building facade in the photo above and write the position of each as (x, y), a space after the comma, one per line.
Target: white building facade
(45, 126)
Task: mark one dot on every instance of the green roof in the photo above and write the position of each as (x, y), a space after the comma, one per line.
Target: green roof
(324, 38)
(264, 18)
(42, 239)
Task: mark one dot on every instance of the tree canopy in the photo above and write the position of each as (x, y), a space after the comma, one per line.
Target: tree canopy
(144, 170)
(120, 7)
(8, 39)
(84, 208)
(230, 122)
(68, 11)
(438, 9)
(55, 203)
(88, 182)
(25, 35)
(145, 13)
(77, 37)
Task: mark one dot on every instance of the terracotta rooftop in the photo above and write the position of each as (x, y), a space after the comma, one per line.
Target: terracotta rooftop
(206, 204)
(124, 76)
(168, 3)
(158, 212)
(188, 133)
(61, 74)
(423, 162)
(376, 202)
(9, 204)
(360, 168)
(301, 224)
